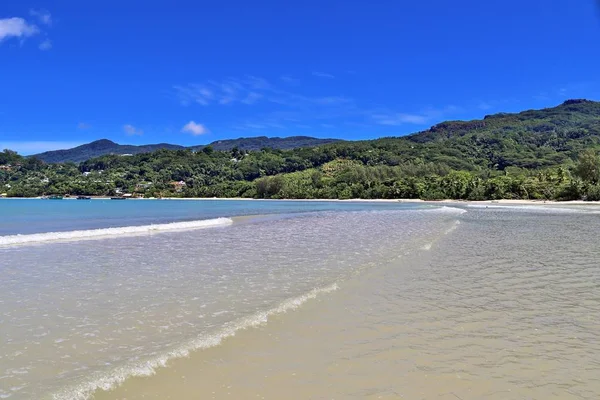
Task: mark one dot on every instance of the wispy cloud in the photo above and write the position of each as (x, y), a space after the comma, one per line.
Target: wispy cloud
(194, 129)
(131, 130)
(289, 80)
(568, 90)
(321, 74)
(17, 28)
(83, 126)
(400, 119)
(252, 98)
(276, 105)
(45, 45)
(34, 147)
(332, 100)
(484, 105)
(426, 116)
(42, 15)
(247, 91)
(263, 124)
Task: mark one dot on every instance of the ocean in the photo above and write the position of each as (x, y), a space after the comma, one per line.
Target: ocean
(289, 299)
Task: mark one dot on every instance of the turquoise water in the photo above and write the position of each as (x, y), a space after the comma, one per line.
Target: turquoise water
(27, 216)
(164, 278)
(481, 301)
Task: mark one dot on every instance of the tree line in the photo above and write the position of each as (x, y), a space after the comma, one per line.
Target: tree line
(537, 154)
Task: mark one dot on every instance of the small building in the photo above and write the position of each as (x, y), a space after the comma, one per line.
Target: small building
(178, 186)
(3, 194)
(7, 167)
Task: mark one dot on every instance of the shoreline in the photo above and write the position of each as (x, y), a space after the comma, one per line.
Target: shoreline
(446, 201)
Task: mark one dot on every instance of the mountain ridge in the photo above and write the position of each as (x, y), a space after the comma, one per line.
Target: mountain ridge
(552, 153)
(102, 147)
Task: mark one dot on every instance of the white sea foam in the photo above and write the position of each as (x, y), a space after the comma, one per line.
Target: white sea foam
(448, 231)
(449, 210)
(452, 228)
(534, 208)
(112, 379)
(111, 232)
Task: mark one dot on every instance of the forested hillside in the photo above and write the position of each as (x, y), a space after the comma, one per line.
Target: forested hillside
(536, 154)
(103, 147)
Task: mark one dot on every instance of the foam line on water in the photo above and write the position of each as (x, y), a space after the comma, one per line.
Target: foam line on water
(533, 208)
(448, 231)
(111, 232)
(112, 379)
(452, 228)
(448, 210)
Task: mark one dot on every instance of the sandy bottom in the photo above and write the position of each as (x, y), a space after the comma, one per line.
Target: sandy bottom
(335, 347)
(503, 307)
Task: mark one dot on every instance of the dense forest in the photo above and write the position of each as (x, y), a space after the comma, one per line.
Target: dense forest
(536, 154)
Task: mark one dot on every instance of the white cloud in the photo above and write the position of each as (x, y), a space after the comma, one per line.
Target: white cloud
(42, 15)
(34, 147)
(16, 27)
(83, 125)
(132, 130)
(45, 45)
(320, 74)
(194, 129)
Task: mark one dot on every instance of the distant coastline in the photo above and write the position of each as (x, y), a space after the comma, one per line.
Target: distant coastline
(433, 202)
(546, 154)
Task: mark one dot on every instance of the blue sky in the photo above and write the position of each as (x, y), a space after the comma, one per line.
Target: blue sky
(191, 72)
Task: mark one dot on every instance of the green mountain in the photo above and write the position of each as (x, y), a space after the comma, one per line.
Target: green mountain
(104, 146)
(263, 142)
(99, 148)
(535, 154)
(529, 139)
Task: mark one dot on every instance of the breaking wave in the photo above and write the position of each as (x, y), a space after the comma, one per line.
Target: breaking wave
(111, 232)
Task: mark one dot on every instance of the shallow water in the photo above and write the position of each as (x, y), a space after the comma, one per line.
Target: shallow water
(27, 216)
(82, 315)
(505, 306)
(401, 303)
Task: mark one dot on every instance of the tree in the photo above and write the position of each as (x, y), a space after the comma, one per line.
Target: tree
(588, 167)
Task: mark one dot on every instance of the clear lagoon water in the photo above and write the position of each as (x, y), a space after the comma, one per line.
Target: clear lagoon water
(25, 216)
(189, 299)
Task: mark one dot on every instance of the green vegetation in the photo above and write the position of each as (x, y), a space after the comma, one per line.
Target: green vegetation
(103, 147)
(537, 154)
